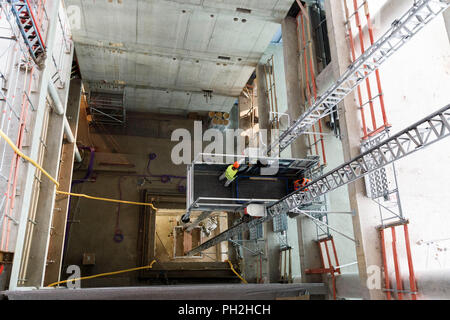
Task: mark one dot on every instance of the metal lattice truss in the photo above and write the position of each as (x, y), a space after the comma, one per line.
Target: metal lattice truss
(401, 31)
(418, 136)
(415, 138)
(28, 28)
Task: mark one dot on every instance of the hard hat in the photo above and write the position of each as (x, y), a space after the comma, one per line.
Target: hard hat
(236, 165)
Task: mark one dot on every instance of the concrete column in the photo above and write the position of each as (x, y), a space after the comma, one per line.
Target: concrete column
(296, 103)
(367, 215)
(263, 99)
(55, 250)
(292, 67)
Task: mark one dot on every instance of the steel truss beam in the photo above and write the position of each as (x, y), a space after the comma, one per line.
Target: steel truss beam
(417, 137)
(401, 31)
(28, 28)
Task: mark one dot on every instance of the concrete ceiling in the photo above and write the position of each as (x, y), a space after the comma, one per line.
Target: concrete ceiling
(163, 53)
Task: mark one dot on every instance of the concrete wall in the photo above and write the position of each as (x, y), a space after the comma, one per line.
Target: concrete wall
(415, 82)
(93, 223)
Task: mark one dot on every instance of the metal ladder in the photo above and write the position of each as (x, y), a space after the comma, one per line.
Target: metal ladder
(401, 31)
(29, 29)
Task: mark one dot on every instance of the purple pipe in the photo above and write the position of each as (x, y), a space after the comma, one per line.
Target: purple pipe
(75, 182)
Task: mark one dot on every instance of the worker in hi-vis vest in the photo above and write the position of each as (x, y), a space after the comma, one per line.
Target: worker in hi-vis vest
(230, 173)
(299, 184)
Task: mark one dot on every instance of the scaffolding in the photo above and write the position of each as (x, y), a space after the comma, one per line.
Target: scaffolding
(107, 108)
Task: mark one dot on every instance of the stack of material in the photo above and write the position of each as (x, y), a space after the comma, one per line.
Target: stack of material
(219, 120)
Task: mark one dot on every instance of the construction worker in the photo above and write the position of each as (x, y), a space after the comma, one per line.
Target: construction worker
(230, 174)
(299, 184)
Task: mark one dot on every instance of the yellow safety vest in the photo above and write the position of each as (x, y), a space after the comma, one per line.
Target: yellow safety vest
(230, 174)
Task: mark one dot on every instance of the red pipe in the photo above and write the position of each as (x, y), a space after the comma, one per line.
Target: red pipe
(299, 49)
(14, 171)
(377, 131)
(377, 72)
(353, 51)
(321, 255)
(35, 23)
(335, 255)
(308, 91)
(330, 265)
(412, 277)
(386, 271)
(398, 277)
(314, 91)
(361, 40)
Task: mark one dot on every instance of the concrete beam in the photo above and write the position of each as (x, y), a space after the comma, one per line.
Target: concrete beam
(295, 97)
(227, 8)
(295, 101)
(263, 100)
(199, 292)
(120, 86)
(166, 52)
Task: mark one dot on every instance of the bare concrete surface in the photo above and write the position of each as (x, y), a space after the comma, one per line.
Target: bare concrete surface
(200, 292)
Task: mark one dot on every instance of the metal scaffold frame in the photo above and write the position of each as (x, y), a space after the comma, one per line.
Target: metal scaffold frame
(417, 137)
(401, 31)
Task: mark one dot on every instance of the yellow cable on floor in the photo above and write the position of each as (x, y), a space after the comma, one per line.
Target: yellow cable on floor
(104, 274)
(235, 272)
(21, 154)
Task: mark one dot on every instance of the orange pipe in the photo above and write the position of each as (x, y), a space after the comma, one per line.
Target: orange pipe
(321, 255)
(335, 255)
(386, 271)
(299, 50)
(398, 277)
(353, 51)
(330, 265)
(320, 120)
(308, 91)
(361, 40)
(377, 72)
(314, 85)
(14, 171)
(412, 277)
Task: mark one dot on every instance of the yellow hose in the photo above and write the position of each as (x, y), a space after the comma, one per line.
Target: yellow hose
(105, 199)
(104, 274)
(21, 154)
(235, 272)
